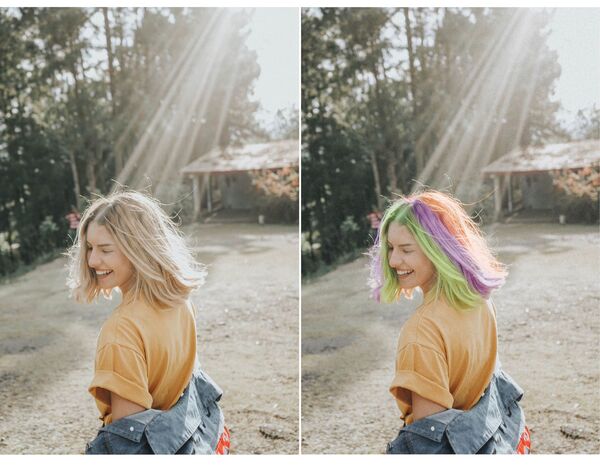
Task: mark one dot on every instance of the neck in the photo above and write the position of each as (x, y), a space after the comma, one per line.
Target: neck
(428, 286)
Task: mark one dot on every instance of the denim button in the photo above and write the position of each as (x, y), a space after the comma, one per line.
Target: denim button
(432, 428)
(130, 428)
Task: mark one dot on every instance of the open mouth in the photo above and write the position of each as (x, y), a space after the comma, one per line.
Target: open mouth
(103, 274)
(405, 273)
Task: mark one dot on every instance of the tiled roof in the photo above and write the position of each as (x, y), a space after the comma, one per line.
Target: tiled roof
(272, 155)
(573, 155)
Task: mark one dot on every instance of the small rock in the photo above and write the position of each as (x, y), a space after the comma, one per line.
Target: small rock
(573, 433)
(271, 431)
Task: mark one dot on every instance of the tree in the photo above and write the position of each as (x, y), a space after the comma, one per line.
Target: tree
(588, 123)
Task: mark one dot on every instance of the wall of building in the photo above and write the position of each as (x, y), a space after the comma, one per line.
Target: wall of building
(237, 191)
(537, 190)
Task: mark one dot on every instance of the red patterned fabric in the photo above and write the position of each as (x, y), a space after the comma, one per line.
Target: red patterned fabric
(524, 446)
(224, 443)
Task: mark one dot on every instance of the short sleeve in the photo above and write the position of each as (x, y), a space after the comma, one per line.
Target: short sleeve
(422, 370)
(123, 371)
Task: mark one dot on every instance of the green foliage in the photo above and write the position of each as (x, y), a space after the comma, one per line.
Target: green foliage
(49, 234)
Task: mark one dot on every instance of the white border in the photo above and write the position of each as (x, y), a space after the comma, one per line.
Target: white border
(305, 3)
(300, 231)
(307, 460)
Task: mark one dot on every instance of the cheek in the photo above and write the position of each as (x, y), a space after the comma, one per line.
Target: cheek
(125, 266)
(430, 268)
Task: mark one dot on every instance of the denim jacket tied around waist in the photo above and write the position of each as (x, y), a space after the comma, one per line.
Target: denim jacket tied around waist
(493, 426)
(192, 426)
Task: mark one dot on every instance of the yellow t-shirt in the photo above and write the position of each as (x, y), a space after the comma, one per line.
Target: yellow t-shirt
(445, 355)
(144, 355)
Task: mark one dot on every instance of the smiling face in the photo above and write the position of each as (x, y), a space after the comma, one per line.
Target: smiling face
(405, 256)
(109, 265)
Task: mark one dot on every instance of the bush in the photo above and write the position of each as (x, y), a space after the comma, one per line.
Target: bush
(577, 209)
(577, 194)
(350, 234)
(278, 209)
(48, 234)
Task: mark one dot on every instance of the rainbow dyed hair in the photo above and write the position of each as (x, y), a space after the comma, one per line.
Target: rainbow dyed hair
(466, 270)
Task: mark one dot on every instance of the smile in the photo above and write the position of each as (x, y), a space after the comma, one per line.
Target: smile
(404, 273)
(103, 273)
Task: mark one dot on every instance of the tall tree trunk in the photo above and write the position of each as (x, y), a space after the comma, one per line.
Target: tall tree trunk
(90, 170)
(111, 83)
(392, 163)
(89, 145)
(377, 180)
(389, 153)
(9, 239)
(411, 60)
(413, 89)
(109, 52)
(76, 186)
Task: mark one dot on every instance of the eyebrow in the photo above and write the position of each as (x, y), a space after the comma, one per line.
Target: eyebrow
(102, 244)
(402, 245)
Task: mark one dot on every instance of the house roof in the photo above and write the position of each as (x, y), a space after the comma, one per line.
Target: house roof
(537, 159)
(272, 155)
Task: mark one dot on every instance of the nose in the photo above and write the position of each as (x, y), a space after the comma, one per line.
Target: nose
(396, 259)
(93, 260)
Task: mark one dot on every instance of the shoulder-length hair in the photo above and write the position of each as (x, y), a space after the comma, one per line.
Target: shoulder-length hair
(165, 272)
(466, 270)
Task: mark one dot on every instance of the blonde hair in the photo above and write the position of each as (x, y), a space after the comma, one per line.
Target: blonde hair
(165, 272)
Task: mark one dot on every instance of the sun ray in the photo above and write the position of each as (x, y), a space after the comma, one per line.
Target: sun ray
(170, 79)
(484, 73)
(171, 97)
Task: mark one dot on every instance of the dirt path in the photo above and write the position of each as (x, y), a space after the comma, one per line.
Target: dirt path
(247, 342)
(549, 341)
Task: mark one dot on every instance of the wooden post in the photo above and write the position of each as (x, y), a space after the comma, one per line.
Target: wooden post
(497, 198)
(208, 192)
(197, 196)
(510, 199)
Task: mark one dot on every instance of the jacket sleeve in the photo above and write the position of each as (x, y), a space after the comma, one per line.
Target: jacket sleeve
(422, 370)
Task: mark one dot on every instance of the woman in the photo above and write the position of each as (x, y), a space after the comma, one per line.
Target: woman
(145, 364)
(447, 350)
